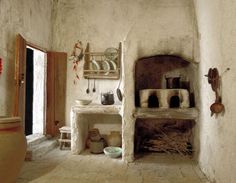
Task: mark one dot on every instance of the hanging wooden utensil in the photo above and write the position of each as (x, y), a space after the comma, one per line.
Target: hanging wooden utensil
(215, 79)
(209, 75)
(217, 106)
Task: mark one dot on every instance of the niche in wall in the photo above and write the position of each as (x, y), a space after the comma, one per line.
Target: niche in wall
(150, 73)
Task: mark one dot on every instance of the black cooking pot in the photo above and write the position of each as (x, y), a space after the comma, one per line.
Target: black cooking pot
(107, 98)
(172, 82)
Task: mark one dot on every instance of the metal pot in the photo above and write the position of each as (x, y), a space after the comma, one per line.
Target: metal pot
(172, 82)
(107, 98)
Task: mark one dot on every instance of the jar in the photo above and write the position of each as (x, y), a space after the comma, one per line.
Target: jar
(114, 139)
(12, 148)
(97, 147)
(94, 134)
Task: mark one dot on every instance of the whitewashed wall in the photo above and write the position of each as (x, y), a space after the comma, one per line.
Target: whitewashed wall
(147, 27)
(217, 39)
(30, 18)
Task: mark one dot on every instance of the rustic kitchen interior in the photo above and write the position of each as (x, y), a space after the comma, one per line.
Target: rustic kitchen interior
(154, 79)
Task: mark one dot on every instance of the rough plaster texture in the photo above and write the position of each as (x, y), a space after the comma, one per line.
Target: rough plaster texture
(146, 29)
(217, 40)
(30, 18)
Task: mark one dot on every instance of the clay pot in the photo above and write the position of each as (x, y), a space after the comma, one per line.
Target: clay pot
(94, 134)
(114, 139)
(97, 147)
(12, 148)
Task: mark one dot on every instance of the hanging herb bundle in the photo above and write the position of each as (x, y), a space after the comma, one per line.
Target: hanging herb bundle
(76, 56)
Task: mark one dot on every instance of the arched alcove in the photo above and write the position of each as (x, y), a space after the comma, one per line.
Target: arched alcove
(150, 73)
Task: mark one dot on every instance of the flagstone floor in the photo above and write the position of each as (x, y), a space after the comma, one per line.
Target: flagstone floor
(60, 166)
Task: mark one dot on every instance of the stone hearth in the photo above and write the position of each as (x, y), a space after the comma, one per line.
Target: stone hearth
(163, 98)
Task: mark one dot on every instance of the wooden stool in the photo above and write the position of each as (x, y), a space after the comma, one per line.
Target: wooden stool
(65, 135)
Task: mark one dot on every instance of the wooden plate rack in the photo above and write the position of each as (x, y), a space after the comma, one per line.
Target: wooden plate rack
(99, 57)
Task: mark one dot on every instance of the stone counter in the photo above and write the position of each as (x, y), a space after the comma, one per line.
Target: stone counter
(79, 123)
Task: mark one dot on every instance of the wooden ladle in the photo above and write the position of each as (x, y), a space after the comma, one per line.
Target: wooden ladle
(217, 106)
(214, 81)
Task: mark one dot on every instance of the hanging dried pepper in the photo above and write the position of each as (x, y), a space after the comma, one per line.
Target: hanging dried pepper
(76, 58)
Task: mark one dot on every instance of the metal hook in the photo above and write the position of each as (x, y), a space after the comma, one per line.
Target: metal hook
(226, 70)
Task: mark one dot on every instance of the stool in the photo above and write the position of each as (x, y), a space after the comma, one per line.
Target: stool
(65, 135)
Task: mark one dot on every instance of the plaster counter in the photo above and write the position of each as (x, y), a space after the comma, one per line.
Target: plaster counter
(79, 124)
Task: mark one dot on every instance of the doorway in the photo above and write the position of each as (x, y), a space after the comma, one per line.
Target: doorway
(46, 88)
(35, 91)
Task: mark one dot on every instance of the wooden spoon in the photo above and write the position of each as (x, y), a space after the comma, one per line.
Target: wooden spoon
(217, 106)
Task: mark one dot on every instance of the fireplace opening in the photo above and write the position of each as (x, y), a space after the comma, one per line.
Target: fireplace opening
(153, 101)
(156, 72)
(174, 102)
(169, 136)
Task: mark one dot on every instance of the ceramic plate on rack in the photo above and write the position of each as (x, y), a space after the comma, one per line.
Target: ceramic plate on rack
(113, 65)
(94, 65)
(111, 53)
(106, 66)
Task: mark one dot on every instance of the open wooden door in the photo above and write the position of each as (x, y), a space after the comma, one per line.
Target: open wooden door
(20, 62)
(56, 89)
(55, 86)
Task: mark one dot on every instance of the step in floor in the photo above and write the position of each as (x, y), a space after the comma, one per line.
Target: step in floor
(39, 148)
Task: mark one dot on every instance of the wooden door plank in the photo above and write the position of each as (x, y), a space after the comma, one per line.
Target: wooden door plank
(20, 58)
(56, 89)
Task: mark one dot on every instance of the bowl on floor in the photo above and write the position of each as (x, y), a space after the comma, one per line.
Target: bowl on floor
(112, 152)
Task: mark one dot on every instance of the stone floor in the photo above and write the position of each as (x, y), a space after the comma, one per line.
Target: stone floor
(62, 167)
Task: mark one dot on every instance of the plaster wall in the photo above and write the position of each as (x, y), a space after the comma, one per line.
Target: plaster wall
(217, 40)
(146, 27)
(30, 18)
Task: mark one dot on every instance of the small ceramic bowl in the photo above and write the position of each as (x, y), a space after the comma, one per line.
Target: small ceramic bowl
(83, 102)
(112, 152)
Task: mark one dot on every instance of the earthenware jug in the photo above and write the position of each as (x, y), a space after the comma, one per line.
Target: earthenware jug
(114, 139)
(12, 148)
